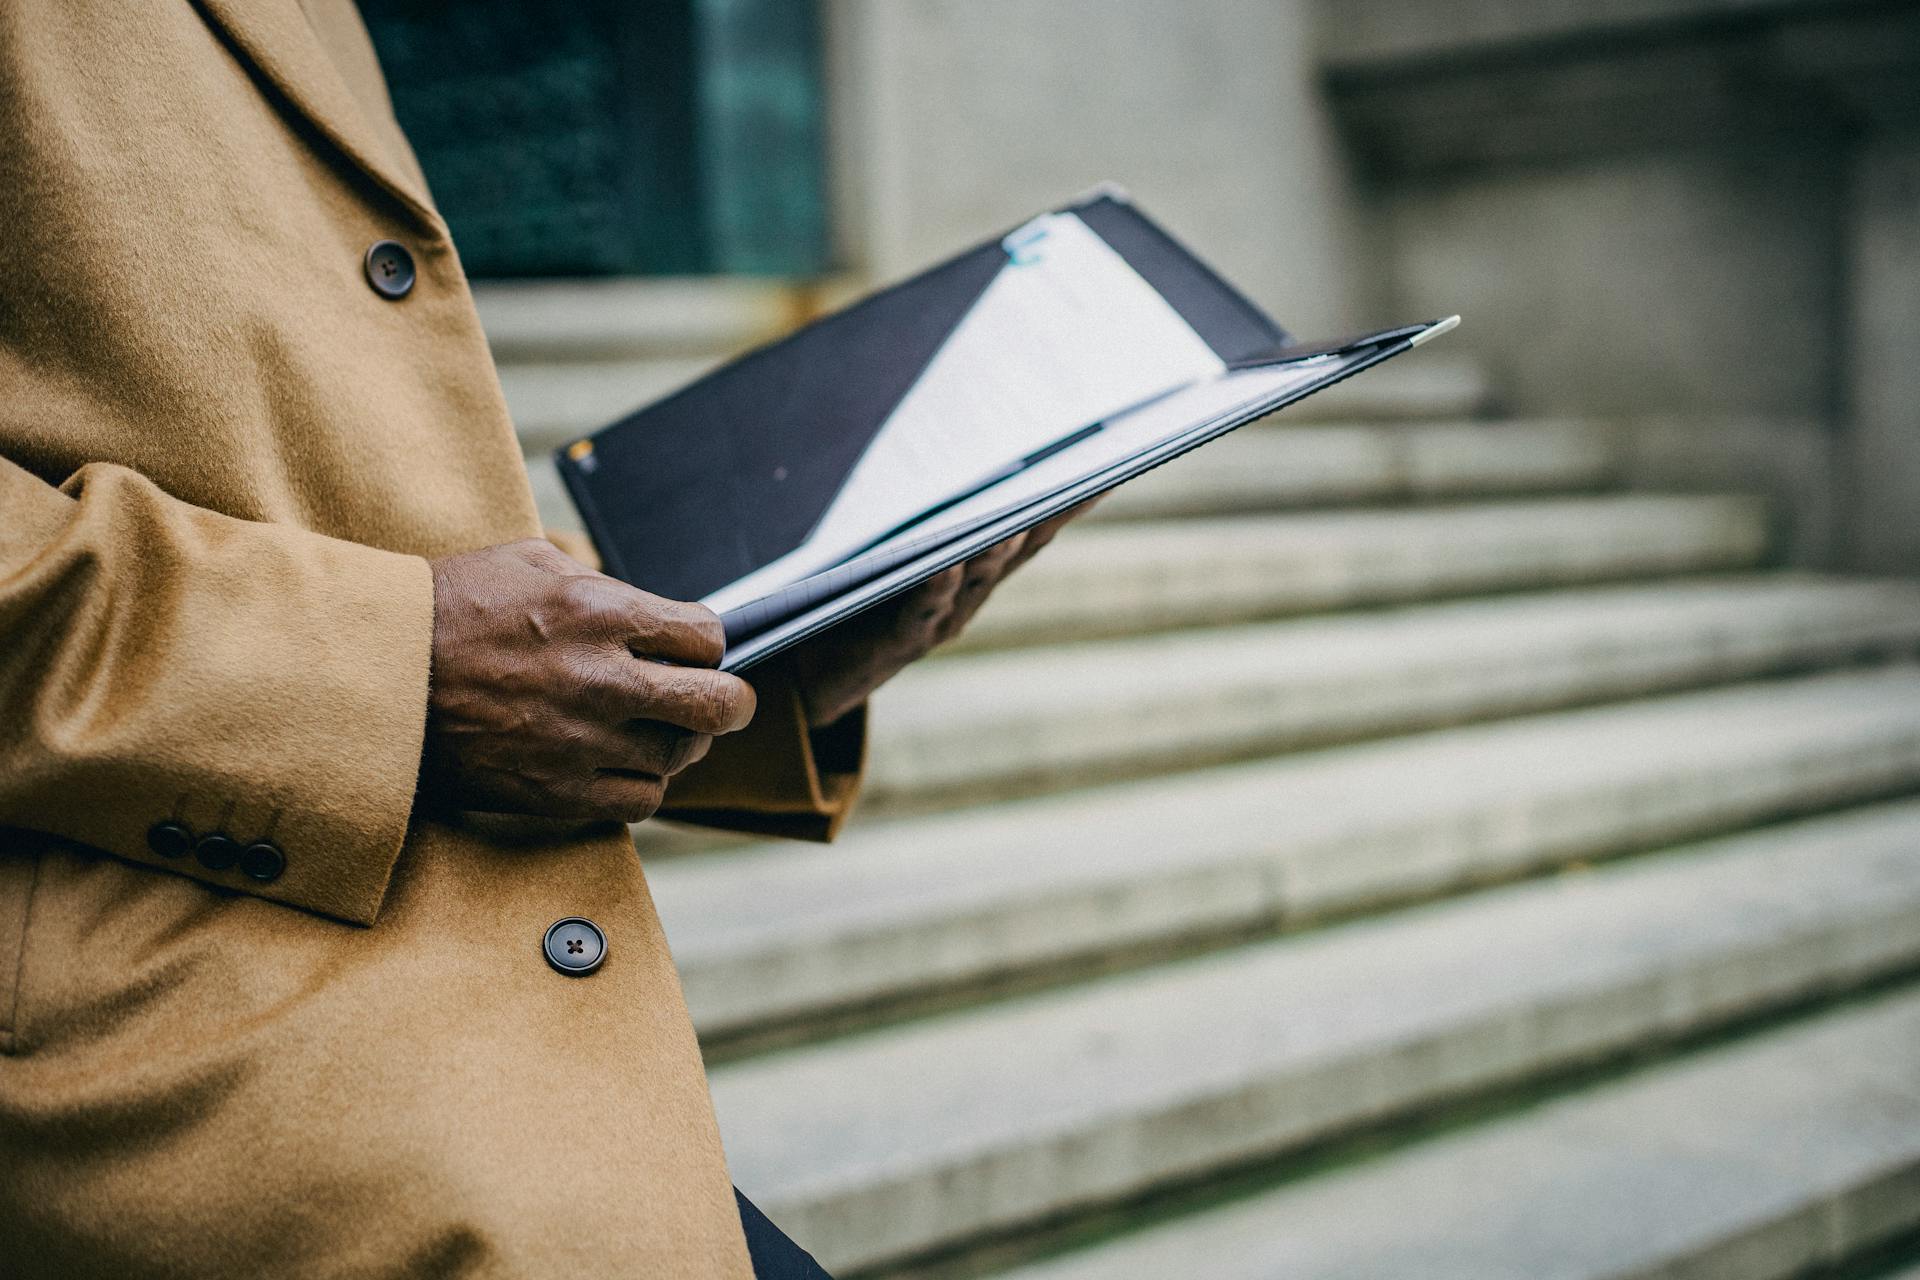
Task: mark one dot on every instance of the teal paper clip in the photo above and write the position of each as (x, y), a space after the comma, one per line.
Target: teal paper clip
(1023, 243)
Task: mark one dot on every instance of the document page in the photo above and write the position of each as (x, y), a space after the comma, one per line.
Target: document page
(1141, 437)
(1193, 408)
(1066, 335)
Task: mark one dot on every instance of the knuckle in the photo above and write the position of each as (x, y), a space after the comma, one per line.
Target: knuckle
(563, 798)
(697, 749)
(580, 595)
(681, 628)
(685, 750)
(621, 685)
(585, 673)
(618, 798)
(639, 801)
(911, 626)
(652, 744)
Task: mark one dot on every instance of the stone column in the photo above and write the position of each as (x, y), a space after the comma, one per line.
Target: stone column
(1881, 510)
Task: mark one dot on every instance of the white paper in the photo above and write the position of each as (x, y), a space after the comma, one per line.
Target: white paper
(1194, 408)
(1066, 335)
(1144, 437)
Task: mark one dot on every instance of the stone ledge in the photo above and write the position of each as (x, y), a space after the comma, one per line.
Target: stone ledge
(1396, 32)
(1442, 89)
(588, 319)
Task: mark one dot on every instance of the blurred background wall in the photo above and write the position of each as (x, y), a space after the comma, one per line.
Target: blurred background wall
(1668, 207)
(1465, 826)
(962, 118)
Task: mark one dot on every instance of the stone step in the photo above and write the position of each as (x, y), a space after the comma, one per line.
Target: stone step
(1425, 384)
(1284, 463)
(1119, 579)
(897, 1141)
(917, 905)
(531, 322)
(989, 725)
(1779, 1156)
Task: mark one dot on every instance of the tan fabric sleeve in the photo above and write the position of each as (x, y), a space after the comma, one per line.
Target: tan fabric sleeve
(577, 545)
(161, 662)
(776, 777)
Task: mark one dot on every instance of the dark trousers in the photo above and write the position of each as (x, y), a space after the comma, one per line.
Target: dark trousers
(775, 1255)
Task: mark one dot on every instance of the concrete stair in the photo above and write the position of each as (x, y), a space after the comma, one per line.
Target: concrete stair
(900, 1140)
(1775, 1159)
(914, 905)
(1130, 578)
(984, 726)
(1382, 843)
(1289, 461)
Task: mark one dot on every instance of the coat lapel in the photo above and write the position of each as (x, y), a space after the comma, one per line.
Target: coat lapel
(275, 39)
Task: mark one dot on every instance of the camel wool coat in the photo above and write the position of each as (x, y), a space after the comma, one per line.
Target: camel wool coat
(224, 461)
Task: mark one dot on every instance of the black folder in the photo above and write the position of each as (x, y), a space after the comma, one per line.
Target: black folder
(738, 469)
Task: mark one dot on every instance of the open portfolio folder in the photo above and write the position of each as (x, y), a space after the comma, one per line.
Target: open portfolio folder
(861, 455)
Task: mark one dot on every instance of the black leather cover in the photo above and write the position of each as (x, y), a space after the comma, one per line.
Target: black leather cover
(734, 471)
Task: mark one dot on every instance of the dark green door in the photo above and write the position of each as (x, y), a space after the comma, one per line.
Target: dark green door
(590, 137)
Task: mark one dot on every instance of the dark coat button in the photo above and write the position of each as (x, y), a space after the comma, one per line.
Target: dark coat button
(217, 852)
(169, 839)
(575, 946)
(263, 861)
(390, 269)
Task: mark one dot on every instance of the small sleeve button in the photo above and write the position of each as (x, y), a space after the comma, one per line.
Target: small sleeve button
(217, 852)
(169, 839)
(263, 861)
(575, 946)
(389, 269)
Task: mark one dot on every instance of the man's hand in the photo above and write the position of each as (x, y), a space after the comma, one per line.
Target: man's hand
(553, 692)
(846, 664)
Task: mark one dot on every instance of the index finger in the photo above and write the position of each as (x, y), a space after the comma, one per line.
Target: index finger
(653, 626)
(703, 701)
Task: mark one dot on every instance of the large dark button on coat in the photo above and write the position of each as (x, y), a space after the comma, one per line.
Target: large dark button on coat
(217, 852)
(575, 946)
(263, 861)
(169, 839)
(390, 269)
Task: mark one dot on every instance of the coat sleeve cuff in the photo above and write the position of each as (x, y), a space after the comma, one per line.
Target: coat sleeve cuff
(776, 777)
(253, 681)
